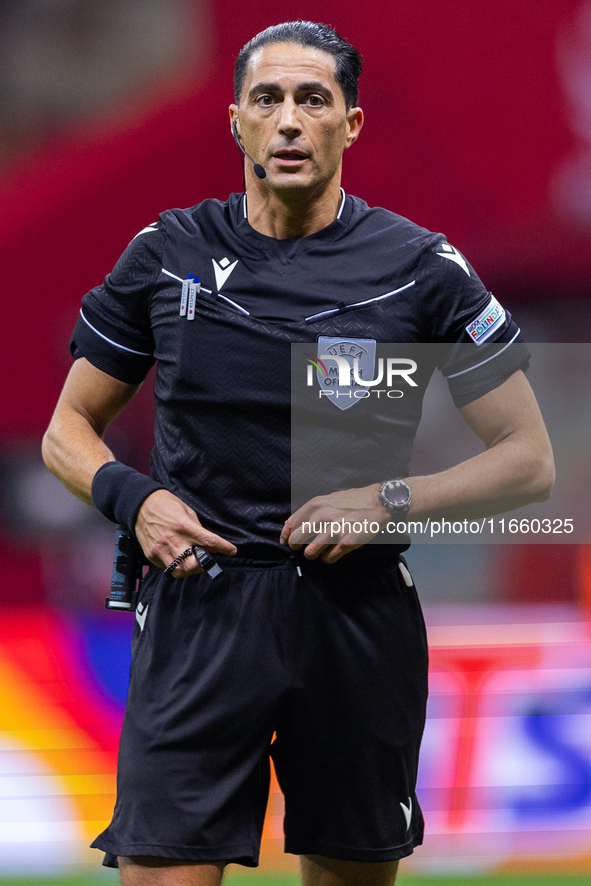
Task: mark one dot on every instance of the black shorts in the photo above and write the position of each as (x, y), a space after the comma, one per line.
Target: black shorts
(334, 662)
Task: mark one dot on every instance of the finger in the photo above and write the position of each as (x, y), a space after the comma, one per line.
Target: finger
(299, 538)
(183, 571)
(190, 566)
(305, 514)
(196, 535)
(314, 550)
(336, 552)
(295, 546)
(157, 561)
(176, 563)
(296, 543)
(213, 543)
(285, 532)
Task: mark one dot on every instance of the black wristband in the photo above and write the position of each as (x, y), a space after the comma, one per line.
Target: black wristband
(119, 491)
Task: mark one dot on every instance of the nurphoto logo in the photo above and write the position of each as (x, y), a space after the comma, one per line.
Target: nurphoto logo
(346, 371)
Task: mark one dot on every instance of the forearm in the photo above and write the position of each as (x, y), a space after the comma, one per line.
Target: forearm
(507, 476)
(73, 450)
(516, 468)
(73, 447)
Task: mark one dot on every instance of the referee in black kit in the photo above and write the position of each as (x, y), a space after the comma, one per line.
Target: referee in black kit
(321, 644)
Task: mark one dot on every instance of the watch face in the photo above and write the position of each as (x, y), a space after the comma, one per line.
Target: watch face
(397, 494)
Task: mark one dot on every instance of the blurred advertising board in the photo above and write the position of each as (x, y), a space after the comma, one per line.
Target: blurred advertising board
(505, 779)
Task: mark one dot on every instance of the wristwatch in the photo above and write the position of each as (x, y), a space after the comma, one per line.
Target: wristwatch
(396, 497)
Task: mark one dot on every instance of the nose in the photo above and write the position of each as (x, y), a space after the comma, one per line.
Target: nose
(288, 123)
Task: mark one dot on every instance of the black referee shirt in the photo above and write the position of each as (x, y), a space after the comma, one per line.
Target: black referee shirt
(222, 427)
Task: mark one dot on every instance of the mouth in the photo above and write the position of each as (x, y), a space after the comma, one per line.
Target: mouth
(289, 157)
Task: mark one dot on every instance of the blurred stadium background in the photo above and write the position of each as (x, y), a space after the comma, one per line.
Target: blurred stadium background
(478, 125)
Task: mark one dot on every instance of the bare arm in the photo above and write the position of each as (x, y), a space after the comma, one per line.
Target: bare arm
(73, 450)
(516, 468)
(73, 447)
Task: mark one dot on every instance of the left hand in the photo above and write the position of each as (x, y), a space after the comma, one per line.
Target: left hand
(339, 511)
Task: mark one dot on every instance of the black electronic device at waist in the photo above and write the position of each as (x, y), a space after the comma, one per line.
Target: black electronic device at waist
(128, 570)
(128, 566)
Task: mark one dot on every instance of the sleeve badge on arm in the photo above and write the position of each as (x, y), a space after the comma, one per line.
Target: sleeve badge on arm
(487, 322)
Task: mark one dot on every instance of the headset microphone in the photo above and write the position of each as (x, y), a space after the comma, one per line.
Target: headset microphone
(258, 169)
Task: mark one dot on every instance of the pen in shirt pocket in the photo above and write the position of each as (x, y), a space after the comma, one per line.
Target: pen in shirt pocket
(185, 294)
(194, 288)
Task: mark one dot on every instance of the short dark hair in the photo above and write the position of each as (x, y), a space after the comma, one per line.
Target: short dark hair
(348, 60)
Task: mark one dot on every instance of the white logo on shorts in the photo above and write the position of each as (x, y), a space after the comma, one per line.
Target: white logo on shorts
(405, 575)
(140, 614)
(407, 812)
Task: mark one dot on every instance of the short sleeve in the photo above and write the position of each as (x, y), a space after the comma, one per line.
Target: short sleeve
(485, 345)
(113, 330)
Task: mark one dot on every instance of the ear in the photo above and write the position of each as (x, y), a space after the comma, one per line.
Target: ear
(354, 123)
(234, 119)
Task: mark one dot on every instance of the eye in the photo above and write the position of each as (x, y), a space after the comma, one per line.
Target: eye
(265, 100)
(315, 100)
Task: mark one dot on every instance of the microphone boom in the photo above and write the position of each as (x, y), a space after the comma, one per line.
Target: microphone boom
(258, 169)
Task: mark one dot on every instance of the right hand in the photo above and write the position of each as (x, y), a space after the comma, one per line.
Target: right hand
(166, 526)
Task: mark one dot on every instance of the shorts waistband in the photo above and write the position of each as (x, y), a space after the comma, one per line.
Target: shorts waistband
(284, 564)
(378, 556)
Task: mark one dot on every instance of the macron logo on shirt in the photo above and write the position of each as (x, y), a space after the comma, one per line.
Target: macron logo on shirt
(452, 254)
(222, 270)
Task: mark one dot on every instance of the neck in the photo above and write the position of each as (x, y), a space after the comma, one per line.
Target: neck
(289, 216)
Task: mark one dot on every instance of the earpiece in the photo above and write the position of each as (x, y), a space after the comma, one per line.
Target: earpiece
(258, 169)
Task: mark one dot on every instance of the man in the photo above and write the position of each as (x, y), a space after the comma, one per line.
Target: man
(319, 644)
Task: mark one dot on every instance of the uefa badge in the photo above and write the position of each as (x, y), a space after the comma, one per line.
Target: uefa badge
(343, 366)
